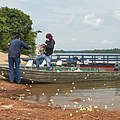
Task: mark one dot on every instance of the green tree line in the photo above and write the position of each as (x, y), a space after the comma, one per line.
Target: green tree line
(113, 50)
(12, 22)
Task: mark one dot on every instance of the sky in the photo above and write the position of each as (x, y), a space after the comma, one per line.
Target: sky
(74, 24)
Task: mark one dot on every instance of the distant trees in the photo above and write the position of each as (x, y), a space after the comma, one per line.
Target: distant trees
(14, 21)
(113, 50)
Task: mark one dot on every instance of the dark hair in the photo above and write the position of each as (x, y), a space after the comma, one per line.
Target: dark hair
(17, 36)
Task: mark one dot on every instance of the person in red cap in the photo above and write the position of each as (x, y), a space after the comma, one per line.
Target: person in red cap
(49, 47)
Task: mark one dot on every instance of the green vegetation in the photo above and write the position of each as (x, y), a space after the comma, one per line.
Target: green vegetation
(13, 21)
(114, 50)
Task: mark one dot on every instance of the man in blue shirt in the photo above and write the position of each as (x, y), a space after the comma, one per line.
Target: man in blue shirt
(14, 58)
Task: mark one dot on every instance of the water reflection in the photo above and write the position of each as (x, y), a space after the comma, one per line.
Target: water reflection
(117, 92)
(95, 93)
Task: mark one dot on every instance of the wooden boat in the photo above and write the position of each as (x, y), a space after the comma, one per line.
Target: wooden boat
(30, 74)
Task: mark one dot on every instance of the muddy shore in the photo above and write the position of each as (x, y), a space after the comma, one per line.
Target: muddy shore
(13, 108)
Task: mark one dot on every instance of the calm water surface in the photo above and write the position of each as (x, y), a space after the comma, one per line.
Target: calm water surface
(103, 94)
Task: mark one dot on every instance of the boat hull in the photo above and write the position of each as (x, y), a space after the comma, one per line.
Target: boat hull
(39, 76)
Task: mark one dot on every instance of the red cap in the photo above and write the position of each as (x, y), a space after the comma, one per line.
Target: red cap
(49, 36)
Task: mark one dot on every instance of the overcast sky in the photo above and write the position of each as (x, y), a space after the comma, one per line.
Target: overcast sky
(75, 24)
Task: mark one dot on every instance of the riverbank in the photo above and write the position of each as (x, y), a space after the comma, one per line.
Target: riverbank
(4, 58)
(13, 108)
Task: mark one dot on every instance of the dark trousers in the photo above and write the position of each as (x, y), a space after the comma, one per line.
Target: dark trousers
(12, 62)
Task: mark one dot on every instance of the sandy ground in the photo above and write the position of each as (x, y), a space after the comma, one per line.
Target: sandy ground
(4, 58)
(13, 108)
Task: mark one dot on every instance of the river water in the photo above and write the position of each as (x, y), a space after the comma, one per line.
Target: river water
(99, 94)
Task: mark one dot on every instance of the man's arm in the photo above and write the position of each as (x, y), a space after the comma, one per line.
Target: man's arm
(25, 45)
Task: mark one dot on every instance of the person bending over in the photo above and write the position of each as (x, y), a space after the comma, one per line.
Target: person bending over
(48, 50)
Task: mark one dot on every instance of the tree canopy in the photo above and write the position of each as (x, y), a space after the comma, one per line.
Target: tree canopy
(14, 21)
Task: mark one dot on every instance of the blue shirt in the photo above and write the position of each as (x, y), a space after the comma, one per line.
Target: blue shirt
(15, 48)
